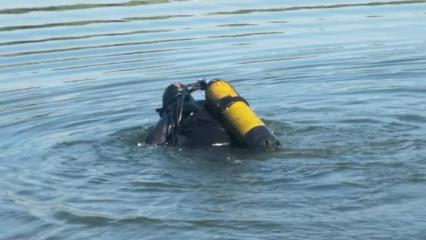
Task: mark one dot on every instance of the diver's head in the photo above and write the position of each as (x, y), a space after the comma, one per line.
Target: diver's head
(175, 92)
(172, 93)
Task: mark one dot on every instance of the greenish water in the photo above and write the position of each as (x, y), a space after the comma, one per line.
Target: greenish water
(341, 83)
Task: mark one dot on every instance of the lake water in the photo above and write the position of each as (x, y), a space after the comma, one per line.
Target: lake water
(341, 83)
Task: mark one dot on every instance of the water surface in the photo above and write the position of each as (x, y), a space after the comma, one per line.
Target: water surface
(340, 83)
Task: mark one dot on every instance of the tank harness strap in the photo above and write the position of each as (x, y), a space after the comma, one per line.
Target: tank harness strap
(226, 102)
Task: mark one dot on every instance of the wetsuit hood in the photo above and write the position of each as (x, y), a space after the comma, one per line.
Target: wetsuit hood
(172, 92)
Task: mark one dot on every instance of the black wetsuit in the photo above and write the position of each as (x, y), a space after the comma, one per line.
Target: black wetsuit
(198, 128)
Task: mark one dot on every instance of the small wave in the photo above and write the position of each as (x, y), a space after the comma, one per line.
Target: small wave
(415, 118)
(73, 216)
(82, 37)
(81, 6)
(299, 8)
(104, 46)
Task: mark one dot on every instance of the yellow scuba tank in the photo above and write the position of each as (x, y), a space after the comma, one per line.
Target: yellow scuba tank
(238, 117)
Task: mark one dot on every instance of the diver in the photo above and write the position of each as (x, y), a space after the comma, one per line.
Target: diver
(223, 119)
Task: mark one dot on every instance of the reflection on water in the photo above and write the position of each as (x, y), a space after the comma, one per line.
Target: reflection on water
(340, 84)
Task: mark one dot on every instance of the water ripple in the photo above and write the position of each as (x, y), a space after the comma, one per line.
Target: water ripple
(96, 47)
(80, 6)
(82, 37)
(318, 7)
(340, 84)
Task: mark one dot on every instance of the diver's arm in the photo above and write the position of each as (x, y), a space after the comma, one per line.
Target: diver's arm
(158, 135)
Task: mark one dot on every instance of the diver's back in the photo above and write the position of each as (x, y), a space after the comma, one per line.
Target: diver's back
(201, 129)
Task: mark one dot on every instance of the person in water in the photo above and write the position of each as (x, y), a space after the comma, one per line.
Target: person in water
(187, 122)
